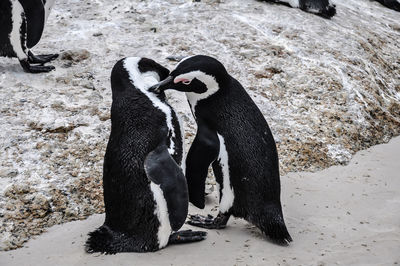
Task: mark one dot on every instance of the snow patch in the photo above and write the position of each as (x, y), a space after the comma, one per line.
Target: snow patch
(338, 153)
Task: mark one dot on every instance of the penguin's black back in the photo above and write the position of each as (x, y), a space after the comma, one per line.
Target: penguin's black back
(124, 179)
(252, 157)
(137, 128)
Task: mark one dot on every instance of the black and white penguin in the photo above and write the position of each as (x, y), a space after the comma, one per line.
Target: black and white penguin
(392, 4)
(323, 8)
(21, 27)
(145, 190)
(234, 137)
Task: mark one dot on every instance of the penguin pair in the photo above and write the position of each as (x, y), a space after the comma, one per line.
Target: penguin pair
(145, 190)
(21, 27)
(234, 138)
(322, 8)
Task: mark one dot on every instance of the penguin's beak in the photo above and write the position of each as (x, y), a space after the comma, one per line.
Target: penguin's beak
(162, 85)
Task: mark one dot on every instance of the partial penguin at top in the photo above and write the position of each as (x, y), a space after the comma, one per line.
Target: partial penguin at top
(145, 190)
(21, 27)
(392, 4)
(323, 8)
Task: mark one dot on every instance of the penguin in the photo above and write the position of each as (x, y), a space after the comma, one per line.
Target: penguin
(21, 27)
(232, 136)
(392, 4)
(322, 8)
(145, 190)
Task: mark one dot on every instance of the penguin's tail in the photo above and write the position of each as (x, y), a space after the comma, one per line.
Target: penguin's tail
(101, 240)
(105, 240)
(272, 224)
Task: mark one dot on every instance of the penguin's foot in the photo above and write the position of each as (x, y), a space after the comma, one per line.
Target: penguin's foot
(41, 59)
(186, 236)
(209, 222)
(35, 68)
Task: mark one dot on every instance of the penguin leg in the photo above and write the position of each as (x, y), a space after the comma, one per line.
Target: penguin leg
(34, 68)
(203, 151)
(41, 59)
(186, 236)
(209, 222)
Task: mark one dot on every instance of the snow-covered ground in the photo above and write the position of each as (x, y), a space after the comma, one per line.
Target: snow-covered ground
(326, 87)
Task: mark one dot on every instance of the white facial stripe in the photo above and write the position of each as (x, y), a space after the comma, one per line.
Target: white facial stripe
(226, 200)
(143, 81)
(208, 80)
(164, 231)
(15, 37)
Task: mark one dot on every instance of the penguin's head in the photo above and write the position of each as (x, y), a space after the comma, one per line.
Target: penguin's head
(146, 65)
(137, 71)
(198, 75)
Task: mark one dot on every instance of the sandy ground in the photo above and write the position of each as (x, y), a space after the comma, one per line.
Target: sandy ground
(344, 215)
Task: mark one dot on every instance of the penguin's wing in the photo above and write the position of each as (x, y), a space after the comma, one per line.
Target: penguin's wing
(162, 170)
(35, 19)
(204, 151)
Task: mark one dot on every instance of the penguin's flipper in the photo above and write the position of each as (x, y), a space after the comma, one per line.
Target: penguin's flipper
(202, 153)
(186, 236)
(35, 19)
(209, 222)
(162, 170)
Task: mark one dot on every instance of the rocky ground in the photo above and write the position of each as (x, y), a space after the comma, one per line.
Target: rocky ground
(327, 88)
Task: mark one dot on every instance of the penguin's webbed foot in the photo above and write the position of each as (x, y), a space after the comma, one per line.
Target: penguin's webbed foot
(35, 68)
(186, 236)
(209, 222)
(41, 59)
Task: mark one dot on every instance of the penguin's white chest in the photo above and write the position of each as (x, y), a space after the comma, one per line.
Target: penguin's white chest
(15, 35)
(227, 194)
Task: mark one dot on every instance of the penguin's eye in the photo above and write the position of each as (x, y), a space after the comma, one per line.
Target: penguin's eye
(183, 80)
